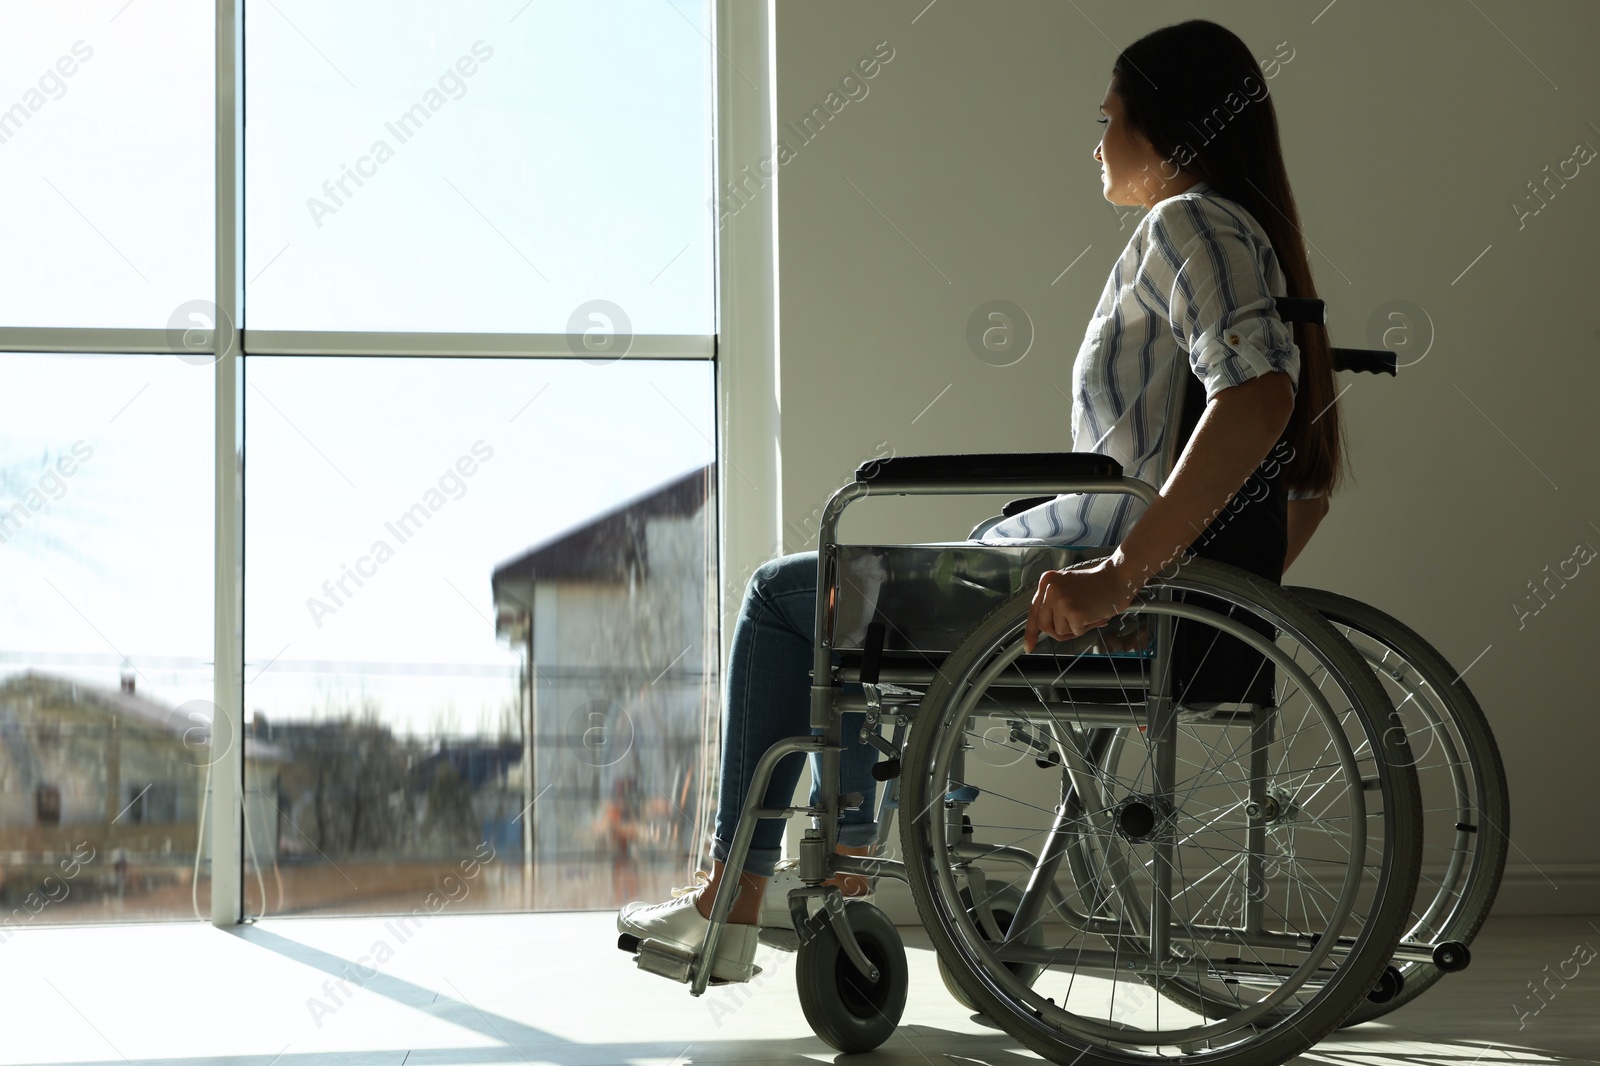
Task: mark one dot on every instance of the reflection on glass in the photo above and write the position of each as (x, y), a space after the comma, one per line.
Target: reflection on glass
(478, 166)
(611, 616)
(106, 738)
(478, 642)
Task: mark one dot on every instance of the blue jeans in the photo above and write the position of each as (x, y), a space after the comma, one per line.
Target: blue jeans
(767, 699)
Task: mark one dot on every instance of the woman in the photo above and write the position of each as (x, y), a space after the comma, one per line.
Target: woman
(1191, 134)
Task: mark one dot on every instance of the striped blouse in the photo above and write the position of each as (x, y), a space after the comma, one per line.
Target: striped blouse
(1198, 277)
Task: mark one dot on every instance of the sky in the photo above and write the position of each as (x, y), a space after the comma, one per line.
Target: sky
(572, 163)
(539, 182)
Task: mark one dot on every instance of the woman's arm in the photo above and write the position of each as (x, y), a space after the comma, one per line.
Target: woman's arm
(1240, 425)
(1304, 517)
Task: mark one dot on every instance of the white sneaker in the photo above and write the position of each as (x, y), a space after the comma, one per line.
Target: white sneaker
(677, 922)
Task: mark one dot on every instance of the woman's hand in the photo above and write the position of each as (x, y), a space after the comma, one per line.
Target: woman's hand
(1071, 602)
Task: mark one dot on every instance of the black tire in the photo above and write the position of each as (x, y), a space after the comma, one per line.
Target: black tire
(846, 1010)
(1329, 970)
(1002, 905)
(1463, 784)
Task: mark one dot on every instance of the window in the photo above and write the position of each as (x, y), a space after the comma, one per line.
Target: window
(397, 507)
(106, 550)
(152, 803)
(47, 805)
(472, 167)
(474, 315)
(108, 162)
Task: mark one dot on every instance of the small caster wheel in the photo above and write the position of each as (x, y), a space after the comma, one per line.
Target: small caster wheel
(849, 1012)
(1389, 985)
(1003, 905)
(1451, 956)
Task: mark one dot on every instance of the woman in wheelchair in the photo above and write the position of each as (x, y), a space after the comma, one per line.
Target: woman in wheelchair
(1196, 282)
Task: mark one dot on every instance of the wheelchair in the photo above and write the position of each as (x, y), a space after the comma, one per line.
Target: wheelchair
(1195, 833)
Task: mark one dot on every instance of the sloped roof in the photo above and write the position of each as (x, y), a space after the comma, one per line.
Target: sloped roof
(605, 546)
(151, 714)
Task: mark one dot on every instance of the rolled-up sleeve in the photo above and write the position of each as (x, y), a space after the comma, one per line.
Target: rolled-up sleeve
(1217, 277)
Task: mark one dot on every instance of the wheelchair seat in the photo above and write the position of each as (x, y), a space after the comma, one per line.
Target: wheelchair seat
(929, 596)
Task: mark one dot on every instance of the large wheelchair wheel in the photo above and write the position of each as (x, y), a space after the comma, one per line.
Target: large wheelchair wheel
(1466, 806)
(1236, 813)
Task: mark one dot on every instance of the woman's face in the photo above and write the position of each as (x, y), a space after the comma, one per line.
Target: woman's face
(1132, 172)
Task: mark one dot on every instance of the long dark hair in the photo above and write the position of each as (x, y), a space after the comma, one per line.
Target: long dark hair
(1198, 94)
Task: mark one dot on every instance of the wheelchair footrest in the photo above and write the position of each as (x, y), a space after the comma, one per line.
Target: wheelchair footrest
(780, 937)
(654, 956)
(668, 960)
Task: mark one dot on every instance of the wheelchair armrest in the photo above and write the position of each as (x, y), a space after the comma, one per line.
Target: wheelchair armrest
(996, 466)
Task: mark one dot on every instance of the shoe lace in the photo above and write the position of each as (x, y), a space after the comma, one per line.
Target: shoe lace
(701, 879)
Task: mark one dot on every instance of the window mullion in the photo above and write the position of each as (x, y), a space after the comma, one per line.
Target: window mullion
(227, 772)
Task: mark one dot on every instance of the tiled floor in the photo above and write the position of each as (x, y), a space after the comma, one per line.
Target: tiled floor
(553, 988)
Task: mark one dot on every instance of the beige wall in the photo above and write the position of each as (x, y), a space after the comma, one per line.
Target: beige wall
(964, 175)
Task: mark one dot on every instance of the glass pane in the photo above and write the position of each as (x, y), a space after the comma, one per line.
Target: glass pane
(105, 643)
(479, 167)
(107, 132)
(386, 664)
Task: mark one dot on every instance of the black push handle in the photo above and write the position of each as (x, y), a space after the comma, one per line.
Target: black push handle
(1314, 312)
(1305, 310)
